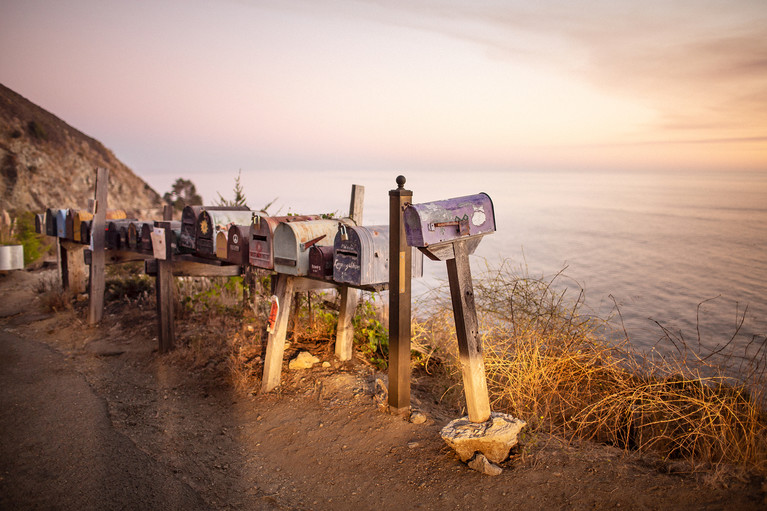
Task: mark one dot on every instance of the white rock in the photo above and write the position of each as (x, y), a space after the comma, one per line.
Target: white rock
(493, 438)
(417, 418)
(481, 464)
(304, 360)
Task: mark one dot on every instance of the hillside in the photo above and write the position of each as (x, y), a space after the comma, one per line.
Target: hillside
(44, 162)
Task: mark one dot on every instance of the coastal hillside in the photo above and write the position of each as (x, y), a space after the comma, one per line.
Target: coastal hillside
(44, 162)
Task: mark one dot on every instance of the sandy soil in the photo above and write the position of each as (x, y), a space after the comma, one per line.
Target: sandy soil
(164, 436)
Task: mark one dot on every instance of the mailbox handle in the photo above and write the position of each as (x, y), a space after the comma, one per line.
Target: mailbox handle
(461, 223)
(308, 244)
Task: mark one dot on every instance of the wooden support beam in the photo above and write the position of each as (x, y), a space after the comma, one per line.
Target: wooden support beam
(275, 347)
(164, 289)
(349, 296)
(73, 270)
(194, 269)
(467, 331)
(97, 283)
(400, 256)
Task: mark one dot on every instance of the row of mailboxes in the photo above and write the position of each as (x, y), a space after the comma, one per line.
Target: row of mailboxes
(67, 223)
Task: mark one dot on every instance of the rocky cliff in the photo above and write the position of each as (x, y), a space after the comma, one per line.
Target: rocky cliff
(44, 162)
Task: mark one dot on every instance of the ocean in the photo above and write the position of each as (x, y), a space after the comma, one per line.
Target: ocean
(684, 251)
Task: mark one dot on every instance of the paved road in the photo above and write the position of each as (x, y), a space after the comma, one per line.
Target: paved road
(58, 449)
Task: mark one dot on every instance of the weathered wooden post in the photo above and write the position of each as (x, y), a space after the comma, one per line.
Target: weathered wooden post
(450, 230)
(349, 296)
(164, 285)
(399, 301)
(96, 285)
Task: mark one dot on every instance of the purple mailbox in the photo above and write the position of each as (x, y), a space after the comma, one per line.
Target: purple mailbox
(434, 226)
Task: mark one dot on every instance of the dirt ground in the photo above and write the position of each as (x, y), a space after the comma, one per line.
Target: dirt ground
(96, 418)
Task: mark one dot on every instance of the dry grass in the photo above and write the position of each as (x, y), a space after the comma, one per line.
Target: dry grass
(550, 364)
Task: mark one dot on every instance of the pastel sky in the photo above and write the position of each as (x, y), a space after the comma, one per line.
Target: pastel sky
(182, 87)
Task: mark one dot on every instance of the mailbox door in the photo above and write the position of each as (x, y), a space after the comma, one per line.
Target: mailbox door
(260, 250)
(449, 220)
(187, 238)
(221, 244)
(145, 245)
(61, 223)
(363, 258)
(85, 231)
(70, 222)
(291, 244)
(321, 262)
(50, 222)
(134, 235)
(238, 245)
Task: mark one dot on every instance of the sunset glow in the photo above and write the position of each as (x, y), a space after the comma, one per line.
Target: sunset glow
(178, 87)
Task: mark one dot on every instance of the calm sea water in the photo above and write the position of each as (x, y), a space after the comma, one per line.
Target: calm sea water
(657, 244)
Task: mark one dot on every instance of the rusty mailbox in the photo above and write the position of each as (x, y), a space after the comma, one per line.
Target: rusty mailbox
(238, 244)
(80, 216)
(61, 223)
(292, 241)
(261, 249)
(434, 226)
(362, 256)
(211, 222)
(145, 241)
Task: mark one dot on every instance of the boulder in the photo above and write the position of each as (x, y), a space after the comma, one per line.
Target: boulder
(493, 438)
(304, 360)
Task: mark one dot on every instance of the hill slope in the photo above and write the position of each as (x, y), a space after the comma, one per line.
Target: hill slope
(44, 162)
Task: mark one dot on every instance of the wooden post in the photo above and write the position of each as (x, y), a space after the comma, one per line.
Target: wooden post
(349, 296)
(467, 331)
(164, 288)
(96, 285)
(399, 301)
(73, 271)
(275, 347)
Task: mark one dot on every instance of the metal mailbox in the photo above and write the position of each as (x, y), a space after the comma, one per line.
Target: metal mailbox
(78, 218)
(188, 237)
(260, 250)
(222, 237)
(432, 226)
(40, 223)
(117, 234)
(292, 241)
(238, 244)
(145, 243)
(70, 223)
(321, 262)
(362, 256)
(134, 235)
(61, 223)
(85, 230)
(50, 221)
(212, 221)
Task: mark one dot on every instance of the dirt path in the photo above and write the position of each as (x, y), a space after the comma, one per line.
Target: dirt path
(94, 418)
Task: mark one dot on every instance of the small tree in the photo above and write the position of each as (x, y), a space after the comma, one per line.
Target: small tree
(183, 193)
(239, 194)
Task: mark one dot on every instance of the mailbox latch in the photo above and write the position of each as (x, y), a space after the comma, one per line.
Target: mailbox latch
(461, 223)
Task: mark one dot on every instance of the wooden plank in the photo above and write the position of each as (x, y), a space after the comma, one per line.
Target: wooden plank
(306, 284)
(275, 347)
(400, 268)
(73, 270)
(467, 331)
(164, 289)
(97, 284)
(194, 269)
(349, 296)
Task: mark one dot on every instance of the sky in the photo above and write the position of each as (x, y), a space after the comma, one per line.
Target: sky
(185, 88)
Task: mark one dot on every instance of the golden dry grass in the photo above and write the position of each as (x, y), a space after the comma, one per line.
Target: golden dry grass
(554, 367)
